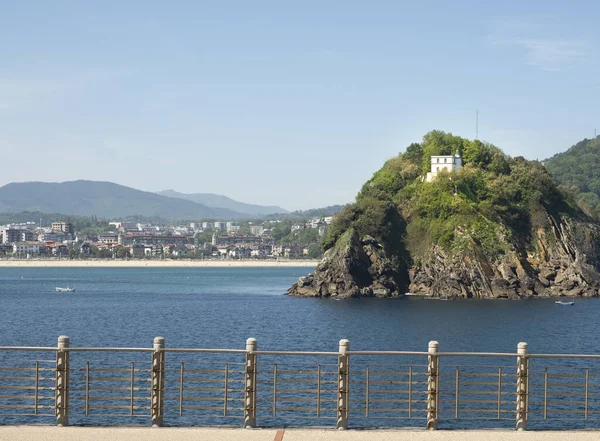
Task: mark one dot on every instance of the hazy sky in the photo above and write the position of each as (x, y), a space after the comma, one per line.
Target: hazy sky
(294, 103)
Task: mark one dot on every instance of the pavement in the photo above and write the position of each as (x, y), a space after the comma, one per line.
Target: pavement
(51, 433)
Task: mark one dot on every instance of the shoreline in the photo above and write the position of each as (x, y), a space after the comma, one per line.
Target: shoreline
(157, 263)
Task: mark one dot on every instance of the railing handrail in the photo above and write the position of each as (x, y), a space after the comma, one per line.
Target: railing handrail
(28, 348)
(302, 353)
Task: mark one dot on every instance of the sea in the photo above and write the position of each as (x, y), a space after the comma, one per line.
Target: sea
(222, 307)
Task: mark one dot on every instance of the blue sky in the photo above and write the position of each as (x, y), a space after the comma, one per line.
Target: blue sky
(280, 102)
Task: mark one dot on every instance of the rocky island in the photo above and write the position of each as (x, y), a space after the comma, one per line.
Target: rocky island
(458, 218)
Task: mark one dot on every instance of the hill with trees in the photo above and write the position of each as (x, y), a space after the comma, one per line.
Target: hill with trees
(578, 171)
(499, 227)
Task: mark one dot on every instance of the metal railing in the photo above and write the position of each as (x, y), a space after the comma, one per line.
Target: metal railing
(181, 386)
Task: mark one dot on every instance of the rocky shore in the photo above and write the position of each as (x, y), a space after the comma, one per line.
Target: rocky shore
(564, 262)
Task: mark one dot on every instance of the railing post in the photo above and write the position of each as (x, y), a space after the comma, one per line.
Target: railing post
(343, 384)
(62, 382)
(522, 386)
(158, 382)
(250, 388)
(433, 381)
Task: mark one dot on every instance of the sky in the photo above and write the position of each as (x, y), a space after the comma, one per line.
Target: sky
(283, 103)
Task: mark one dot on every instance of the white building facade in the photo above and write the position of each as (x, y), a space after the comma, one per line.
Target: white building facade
(27, 248)
(440, 163)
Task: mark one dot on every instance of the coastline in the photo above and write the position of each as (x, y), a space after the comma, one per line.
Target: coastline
(158, 263)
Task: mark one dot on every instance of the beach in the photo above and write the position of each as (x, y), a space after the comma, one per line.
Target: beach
(156, 263)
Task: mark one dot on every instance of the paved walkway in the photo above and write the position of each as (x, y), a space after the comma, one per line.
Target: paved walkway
(50, 433)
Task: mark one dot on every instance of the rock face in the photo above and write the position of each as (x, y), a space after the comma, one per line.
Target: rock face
(355, 267)
(563, 260)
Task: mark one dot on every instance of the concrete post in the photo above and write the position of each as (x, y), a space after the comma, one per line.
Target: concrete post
(250, 386)
(62, 382)
(158, 382)
(343, 384)
(433, 364)
(522, 386)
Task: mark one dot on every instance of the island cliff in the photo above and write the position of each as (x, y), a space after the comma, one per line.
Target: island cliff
(495, 227)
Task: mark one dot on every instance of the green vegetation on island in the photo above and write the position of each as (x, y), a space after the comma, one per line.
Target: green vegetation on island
(497, 227)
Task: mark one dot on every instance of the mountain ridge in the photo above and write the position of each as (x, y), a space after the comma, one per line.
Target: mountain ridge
(103, 199)
(220, 201)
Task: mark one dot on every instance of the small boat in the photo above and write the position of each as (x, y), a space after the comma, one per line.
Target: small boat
(560, 302)
(67, 289)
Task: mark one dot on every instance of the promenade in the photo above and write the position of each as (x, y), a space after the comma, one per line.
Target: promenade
(27, 433)
(143, 263)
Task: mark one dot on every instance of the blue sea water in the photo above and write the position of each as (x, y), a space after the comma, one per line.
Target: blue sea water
(222, 307)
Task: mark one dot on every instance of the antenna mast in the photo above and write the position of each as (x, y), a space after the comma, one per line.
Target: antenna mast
(477, 124)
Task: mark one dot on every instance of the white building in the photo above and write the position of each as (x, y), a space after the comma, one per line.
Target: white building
(27, 248)
(448, 163)
(232, 227)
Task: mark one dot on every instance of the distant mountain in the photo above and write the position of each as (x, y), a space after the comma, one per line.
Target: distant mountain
(219, 201)
(104, 200)
(578, 171)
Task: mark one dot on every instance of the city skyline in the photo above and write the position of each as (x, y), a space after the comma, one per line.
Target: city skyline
(290, 105)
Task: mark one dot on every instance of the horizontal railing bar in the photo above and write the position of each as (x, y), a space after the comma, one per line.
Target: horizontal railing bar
(562, 356)
(297, 409)
(220, 408)
(551, 375)
(128, 379)
(113, 415)
(574, 403)
(115, 398)
(97, 406)
(371, 400)
(478, 374)
(388, 353)
(107, 349)
(204, 380)
(394, 409)
(26, 369)
(92, 369)
(28, 414)
(395, 391)
(217, 389)
(480, 383)
(189, 371)
(27, 387)
(108, 389)
(578, 394)
(326, 354)
(243, 351)
(32, 378)
(217, 351)
(439, 354)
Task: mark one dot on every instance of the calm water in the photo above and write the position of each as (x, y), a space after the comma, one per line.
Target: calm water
(221, 307)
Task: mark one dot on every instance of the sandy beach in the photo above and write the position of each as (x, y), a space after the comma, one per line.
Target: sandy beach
(158, 263)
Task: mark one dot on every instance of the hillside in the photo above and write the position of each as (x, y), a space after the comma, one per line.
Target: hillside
(498, 228)
(219, 201)
(102, 199)
(578, 171)
(298, 215)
